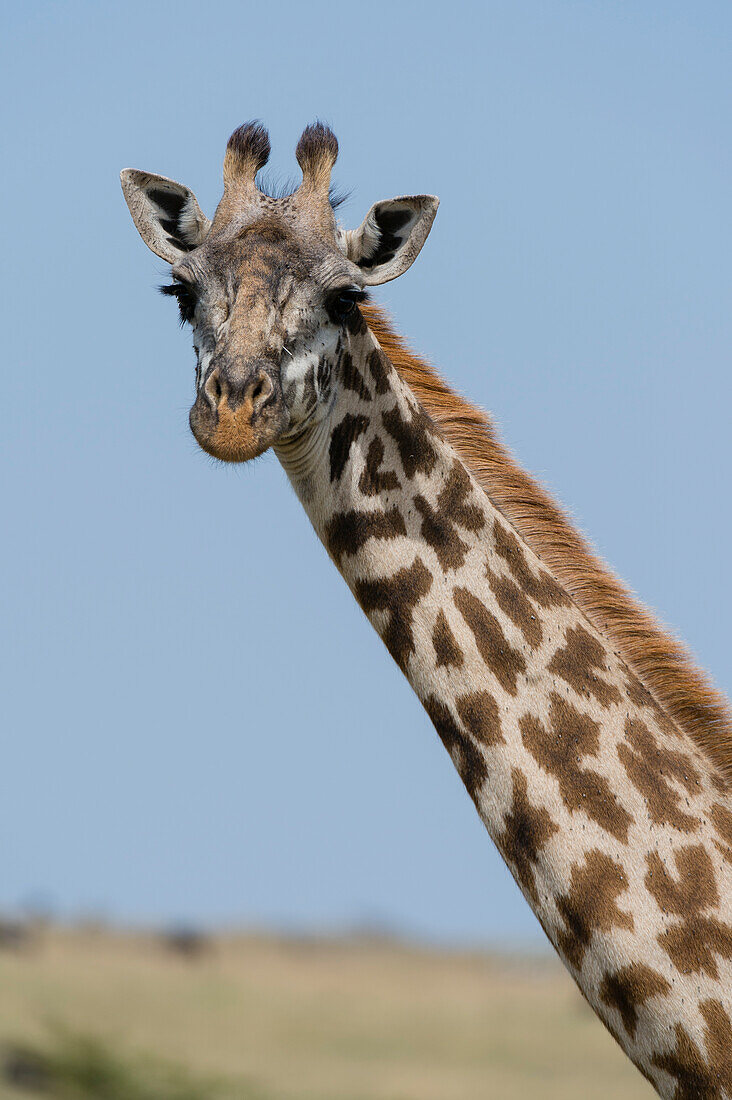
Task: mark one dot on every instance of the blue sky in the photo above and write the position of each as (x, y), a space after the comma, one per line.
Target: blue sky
(199, 723)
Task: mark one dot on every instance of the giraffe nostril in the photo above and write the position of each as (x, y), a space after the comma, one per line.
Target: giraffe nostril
(214, 388)
(260, 390)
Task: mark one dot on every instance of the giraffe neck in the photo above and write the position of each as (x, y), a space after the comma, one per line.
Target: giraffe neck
(609, 818)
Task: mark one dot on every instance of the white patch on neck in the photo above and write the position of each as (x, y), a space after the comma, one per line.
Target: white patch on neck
(306, 401)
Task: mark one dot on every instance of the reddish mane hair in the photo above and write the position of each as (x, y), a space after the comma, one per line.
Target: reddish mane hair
(661, 661)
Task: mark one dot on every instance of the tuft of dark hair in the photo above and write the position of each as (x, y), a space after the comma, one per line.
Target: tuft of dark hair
(274, 188)
(317, 142)
(336, 197)
(251, 142)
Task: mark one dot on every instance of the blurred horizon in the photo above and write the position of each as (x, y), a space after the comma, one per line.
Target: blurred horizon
(202, 727)
(93, 1014)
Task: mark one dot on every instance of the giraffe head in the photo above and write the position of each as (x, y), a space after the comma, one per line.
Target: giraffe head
(270, 286)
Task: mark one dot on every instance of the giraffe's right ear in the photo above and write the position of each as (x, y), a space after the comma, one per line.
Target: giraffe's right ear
(166, 213)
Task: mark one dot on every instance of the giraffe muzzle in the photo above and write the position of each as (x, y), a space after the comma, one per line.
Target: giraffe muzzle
(239, 411)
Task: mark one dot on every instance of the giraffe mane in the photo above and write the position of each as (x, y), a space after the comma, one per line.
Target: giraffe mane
(662, 662)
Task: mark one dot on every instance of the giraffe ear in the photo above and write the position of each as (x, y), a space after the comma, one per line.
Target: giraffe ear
(166, 213)
(391, 237)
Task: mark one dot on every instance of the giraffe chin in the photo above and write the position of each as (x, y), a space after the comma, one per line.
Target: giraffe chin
(234, 435)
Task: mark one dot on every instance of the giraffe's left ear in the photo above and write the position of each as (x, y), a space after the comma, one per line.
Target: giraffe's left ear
(166, 213)
(391, 236)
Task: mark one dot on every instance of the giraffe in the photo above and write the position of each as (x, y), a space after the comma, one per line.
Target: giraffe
(597, 756)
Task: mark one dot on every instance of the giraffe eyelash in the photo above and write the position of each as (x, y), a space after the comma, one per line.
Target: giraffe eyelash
(186, 297)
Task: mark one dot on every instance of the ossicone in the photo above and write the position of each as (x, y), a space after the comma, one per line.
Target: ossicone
(317, 152)
(247, 151)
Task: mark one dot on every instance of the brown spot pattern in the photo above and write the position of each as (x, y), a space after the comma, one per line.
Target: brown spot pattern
(628, 988)
(478, 712)
(559, 750)
(701, 1076)
(650, 769)
(352, 378)
(468, 759)
(379, 366)
(413, 441)
(342, 439)
(722, 822)
(641, 697)
(682, 689)
(578, 662)
(438, 524)
(516, 606)
(590, 905)
(687, 1065)
(373, 480)
(453, 499)
(438, 531)
(398, 595)
(526, 830)
(543, 589)
(693, 941)
(505, 662)
(348, 531)
(718, 1041)
(447, 650)
(636, 692)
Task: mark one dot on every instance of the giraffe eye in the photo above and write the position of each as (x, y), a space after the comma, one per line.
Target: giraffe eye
(342, 302)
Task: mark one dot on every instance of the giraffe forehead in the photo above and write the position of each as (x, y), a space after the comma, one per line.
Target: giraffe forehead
(265, 261)
(277, 228)
(259, 256)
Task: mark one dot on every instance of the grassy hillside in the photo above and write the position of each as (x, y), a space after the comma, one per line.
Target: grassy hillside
(254, 1018)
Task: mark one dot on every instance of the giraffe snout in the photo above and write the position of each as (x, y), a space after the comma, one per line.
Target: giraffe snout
(239, 411)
